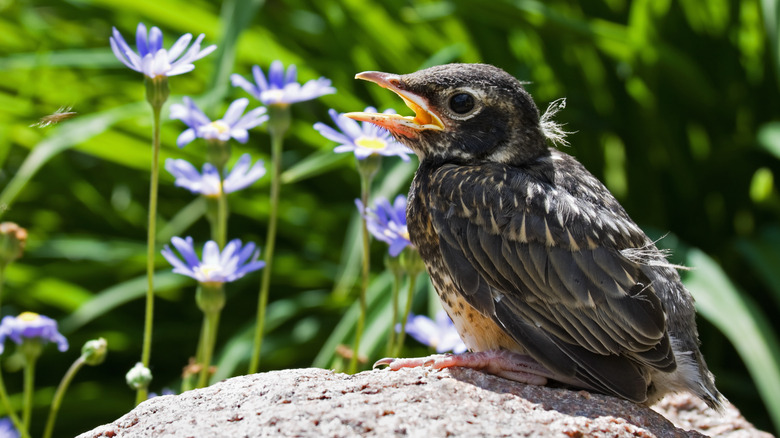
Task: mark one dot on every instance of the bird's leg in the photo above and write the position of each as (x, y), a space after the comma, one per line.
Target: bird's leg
(507, 364)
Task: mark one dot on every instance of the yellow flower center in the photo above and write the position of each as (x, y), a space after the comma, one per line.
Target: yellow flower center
(28, 316)
(405, 235)
(273, 96)
(371, 143)
(220, 126)
(208, 270)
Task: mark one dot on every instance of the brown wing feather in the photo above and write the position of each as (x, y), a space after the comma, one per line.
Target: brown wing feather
(548, 268)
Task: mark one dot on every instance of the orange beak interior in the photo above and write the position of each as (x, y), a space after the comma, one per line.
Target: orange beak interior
(423, 117)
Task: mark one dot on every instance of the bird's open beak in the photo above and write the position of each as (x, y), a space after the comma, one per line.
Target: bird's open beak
(409, 126)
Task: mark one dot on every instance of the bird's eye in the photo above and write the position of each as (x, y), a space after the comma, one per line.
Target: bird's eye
(462, 103)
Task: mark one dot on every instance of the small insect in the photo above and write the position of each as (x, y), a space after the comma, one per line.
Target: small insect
(63, 113)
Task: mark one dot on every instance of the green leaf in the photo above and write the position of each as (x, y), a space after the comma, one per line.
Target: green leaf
(64, 136)
(344, 332)
(95, 58)
(55, 292)
(394, 182)
(236, 16)
(762, 184)
(769, 138)
(183, 220)
(279, 312)
(763, 254)
(82, 248)
(771, 13)
(742, 321)
(115, 296)
(313, 165)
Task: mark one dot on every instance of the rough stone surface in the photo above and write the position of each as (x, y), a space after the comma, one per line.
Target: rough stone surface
(411, 402)
(688, 412)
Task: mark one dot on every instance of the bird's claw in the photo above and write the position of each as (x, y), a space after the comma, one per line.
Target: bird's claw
(396, 364)
(384, 362)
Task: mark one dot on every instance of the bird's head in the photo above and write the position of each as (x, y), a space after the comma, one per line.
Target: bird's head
(463, 113)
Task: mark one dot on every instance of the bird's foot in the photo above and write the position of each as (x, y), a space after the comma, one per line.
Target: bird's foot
(506, 364)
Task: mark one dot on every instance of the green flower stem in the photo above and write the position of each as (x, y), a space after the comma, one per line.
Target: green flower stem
(57, 401)
(211, 300)
(397, 277)
(222, 217)
(10, 410)
(393, 264)
(210, 323)
(353, 363)
(29, 389)
(217, 214)
(156, 94)
(367, 169)
(413, 265)
(218, 153)
(409, 297)
(6, 403)
(201, 342)
(2, 282)
(278, 123)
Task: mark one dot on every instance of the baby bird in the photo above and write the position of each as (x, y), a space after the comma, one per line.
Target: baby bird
(540, 268)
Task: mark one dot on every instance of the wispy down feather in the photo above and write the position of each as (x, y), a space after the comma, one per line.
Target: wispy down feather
(552, 129)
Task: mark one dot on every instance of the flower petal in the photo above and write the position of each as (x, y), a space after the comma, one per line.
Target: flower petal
(211, 254)
(186, 137)
(185, 248)
(155, 41)
(276, 75)
(235, 110)
(175, 261)
(239, 81)
(141, 40)
(397, 246)
(252, 119)
(119, 47)
(331, 134)
(259, 76)
(179, 46)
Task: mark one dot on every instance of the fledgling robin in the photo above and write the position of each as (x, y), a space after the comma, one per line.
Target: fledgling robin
(540, 268)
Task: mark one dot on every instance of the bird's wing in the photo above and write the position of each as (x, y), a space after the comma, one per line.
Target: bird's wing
(548, 268)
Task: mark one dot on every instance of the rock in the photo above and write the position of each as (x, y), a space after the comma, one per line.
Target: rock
(688, 412)
(411, 402)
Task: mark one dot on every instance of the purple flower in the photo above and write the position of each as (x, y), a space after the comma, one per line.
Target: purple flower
(440, 334)
(281, 88)
(154, 61)
(388, 222)
(364, 139)
(7, 428)
(29, 325)
(233, 125)
(208, 183)
(231, 264)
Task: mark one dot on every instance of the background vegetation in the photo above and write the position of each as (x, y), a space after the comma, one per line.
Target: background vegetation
(674, 104)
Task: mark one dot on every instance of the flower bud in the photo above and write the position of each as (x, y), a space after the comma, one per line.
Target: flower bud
(157, 90)
(12, 241)
(94, 351)
(139, 376)
(218, 153)
(279, 118)
(411, 261)
(368, 166)
(393, 264)
(210, 297)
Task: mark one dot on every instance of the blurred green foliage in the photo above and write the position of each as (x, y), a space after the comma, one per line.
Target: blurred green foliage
(672, 104)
